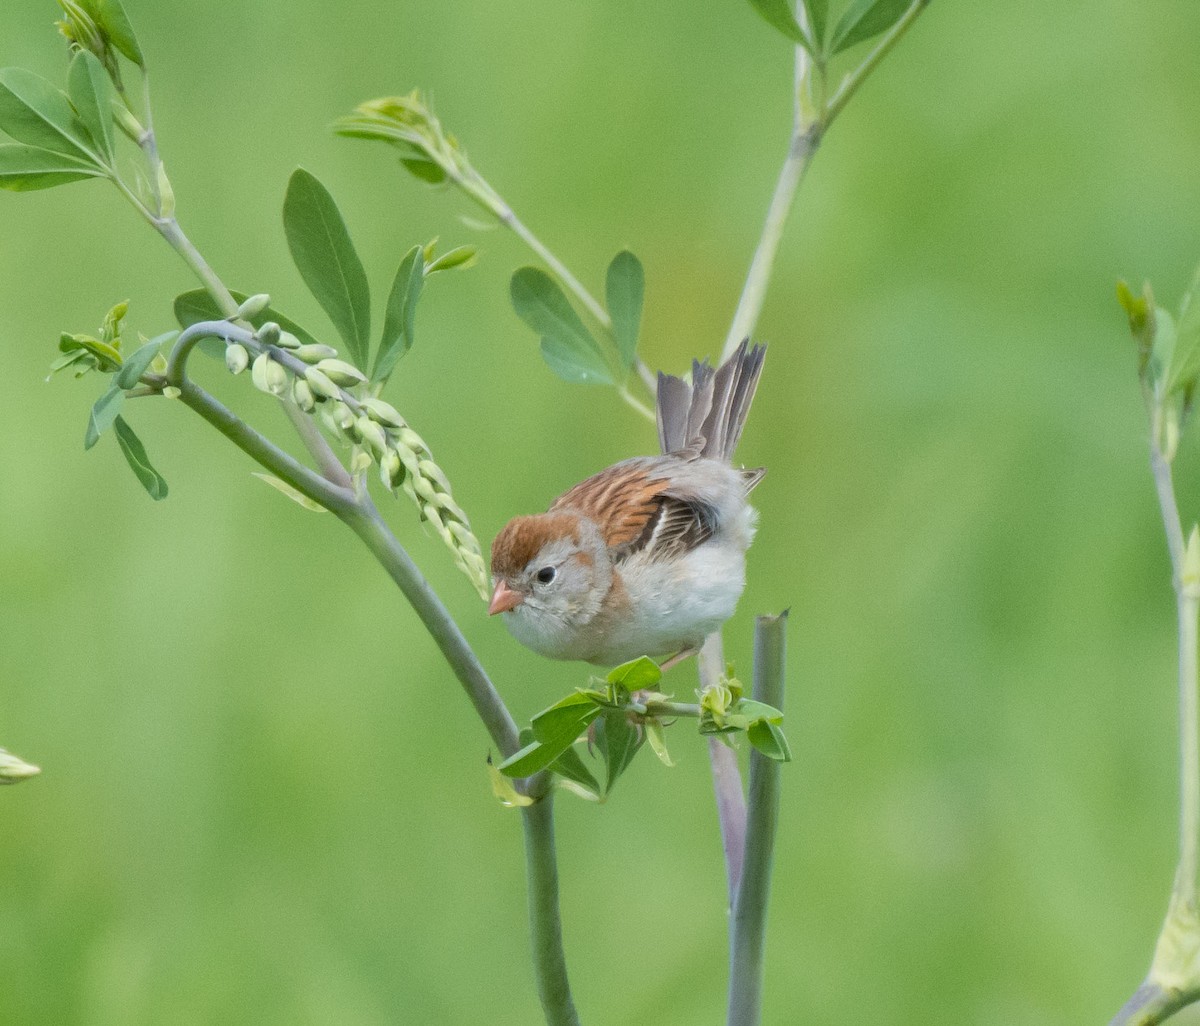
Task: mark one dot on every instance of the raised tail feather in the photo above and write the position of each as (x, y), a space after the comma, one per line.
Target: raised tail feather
(707, 416)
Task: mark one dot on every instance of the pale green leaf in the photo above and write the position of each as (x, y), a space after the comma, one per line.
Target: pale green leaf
(326, 259)
(625, 286)
(139, 462)
(865, 19)
(26, 168)
(35, 112)
(91, 92)
(104, 412)
(400, 319)
(284, 488)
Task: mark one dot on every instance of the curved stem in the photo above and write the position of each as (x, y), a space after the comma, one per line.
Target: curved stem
(365, 521)
(549, 962)
(748, 929)
(274, 459)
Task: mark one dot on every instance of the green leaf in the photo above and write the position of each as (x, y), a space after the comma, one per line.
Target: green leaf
(132, 369)
(567, 346)
(91, 92)
(555, 731)
(35, 112)
(460, 257)
(768, 738)
(424, 169)
(294, 494)
(139, 462)
(1140, 311)
(1185, 359)
(25, 168)
(618, 741)
(399, 321)
(508, 795)
(625, 286)
(818, 16)
(636, 675)
(104, 412)
(778, 14)
(864, 19)
(572, 767)
(197, 305)
(325, 257)
(658, 743)
(114, 23)
(564, 715)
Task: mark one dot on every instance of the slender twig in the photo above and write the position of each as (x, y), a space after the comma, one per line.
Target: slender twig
(550, 966)
(748, 928)
(809, 127)
(856, 78)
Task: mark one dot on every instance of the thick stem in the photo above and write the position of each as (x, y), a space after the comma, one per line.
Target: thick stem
(727, 778)
(748, 929)
(549, 962)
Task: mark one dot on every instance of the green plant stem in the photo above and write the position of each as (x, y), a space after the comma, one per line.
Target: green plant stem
(727, 778)
(748, 927)
(1151, 1004)
(549, 962)
(365, 521)
(808, 130)
(1174, 977)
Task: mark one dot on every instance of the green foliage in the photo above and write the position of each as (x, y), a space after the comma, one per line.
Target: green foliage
(398, 324)
(198, 305)
(778, 14)
(135, 455)
(863, 20)
(104, 412)
(567, 346)
(625, 286)
(26, 168)
(620, 712)
(327, 261)
(91, 91)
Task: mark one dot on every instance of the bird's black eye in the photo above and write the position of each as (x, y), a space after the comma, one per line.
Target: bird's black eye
(546, 574)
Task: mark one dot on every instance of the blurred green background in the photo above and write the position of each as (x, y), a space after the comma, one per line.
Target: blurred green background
(244, 816)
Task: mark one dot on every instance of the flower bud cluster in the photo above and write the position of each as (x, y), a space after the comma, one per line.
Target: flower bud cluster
(379, 434)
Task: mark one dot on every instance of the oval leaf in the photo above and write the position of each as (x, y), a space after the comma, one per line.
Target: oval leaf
(864, 19)
(91, 91)
(399, 321)
(325, 257)
(114, 23)
(139, 462)
(625, 286)
(104, 412)
(132, 369)
(25, 168)
(567, 346)
(778, 14)
(35, 112)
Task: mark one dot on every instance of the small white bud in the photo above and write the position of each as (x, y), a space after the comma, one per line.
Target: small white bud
(288, 341)
(385, 413)
(314, 352)
(269, 334)
(341, 372)
(252, 306)
(302, 395)
(171, 392)
(372, 434)
(237, 359)
(321, 385)
(360, 462)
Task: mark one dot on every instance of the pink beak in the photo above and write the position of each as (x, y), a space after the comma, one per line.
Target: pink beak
(504, 599)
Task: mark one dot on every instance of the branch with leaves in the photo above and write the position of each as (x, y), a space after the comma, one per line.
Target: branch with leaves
(333, 397)
(1168, 362)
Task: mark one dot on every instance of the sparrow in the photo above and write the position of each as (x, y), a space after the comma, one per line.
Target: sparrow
(647, 557)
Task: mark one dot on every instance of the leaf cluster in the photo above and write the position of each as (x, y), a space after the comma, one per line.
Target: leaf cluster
(1168, 358)
(822, 37)
(621, 711)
